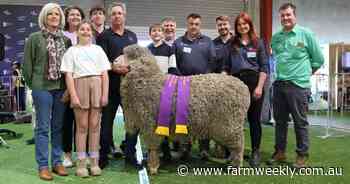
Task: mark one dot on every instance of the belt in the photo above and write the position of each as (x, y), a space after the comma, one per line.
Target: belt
(284, 83)
(246, 73)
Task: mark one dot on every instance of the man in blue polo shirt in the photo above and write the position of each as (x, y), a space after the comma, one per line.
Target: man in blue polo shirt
(113, 41)
(195, 54)
(222, 42)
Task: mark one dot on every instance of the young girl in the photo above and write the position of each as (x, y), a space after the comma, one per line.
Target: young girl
(85, 66)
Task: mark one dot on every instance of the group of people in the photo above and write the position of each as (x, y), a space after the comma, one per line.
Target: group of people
(83, 60)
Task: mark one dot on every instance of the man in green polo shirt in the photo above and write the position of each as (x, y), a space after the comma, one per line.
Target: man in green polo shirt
(298, 56)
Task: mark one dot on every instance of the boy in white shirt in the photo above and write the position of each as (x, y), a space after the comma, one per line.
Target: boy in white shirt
(162, 52)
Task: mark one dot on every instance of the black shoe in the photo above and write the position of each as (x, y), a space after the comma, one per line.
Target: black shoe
(185, 156)
(30, 141)
(123, 146)
(131, 161)
(117, 155)
(165, 150)
(103, 163)
(204, 155)
(255, 159)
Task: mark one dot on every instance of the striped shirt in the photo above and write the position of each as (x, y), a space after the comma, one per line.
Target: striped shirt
(164, 55)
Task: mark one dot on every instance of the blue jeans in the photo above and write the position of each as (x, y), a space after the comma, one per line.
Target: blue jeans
(49, 118)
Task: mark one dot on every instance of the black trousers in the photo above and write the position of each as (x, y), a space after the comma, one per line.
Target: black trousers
(21, 98)
(251, 79)
(289, 98)
(68, 130)
(106, 134)
(107, 120)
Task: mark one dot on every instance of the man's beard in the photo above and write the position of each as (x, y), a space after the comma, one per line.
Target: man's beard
(226, 32)
(169, 36)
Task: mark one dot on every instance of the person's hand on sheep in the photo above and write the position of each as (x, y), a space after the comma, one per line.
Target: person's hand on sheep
(257, 93)
(119, 66)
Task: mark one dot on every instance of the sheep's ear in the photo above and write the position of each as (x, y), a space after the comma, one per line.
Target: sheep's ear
(144, 60)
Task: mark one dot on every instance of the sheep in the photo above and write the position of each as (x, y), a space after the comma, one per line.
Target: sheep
(217, 108)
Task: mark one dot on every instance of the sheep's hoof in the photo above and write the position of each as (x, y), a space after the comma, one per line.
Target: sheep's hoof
(235, 160)
(236, 163)
(220, 152)
(204, 155)
(153, 171)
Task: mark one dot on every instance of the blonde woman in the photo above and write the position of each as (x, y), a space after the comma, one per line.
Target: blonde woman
(85, 66)
(43, 54)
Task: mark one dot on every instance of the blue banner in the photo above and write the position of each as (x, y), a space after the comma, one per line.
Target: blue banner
(16, 23)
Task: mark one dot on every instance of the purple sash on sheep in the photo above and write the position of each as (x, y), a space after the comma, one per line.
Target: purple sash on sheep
(181, 106)
(183, 95)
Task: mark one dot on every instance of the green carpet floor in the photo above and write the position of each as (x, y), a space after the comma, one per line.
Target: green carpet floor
(17, 164)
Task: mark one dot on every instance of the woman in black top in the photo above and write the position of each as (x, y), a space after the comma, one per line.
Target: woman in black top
(248, 61)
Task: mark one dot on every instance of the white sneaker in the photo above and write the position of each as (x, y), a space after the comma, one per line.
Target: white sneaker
(67, 161)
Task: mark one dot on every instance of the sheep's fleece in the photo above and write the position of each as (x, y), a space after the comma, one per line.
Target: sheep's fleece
(217, 108)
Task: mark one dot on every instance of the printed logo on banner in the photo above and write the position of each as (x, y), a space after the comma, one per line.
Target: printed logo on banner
(6, 24)
(20, 43)
(6, 72)
(7, 12)
(21, 30)
(7, 48)
(7, 36)
(20, 54)
(32, 24)
(7, 60)
(34, 13)
(21, 18)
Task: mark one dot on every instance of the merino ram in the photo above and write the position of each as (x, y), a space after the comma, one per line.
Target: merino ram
(217, 107)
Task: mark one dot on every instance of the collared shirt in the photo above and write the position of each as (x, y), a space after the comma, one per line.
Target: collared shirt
(97, 34)
(247, 57)
(169, 42)
(164, 55)
(113, 45)
(297, 52)
(194, 56)
(222, 51)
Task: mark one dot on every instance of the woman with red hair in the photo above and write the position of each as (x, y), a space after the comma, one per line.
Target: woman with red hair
(248, 62)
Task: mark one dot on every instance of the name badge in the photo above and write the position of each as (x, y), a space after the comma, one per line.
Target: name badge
(187, 50)
(300, 45)
(251, 54)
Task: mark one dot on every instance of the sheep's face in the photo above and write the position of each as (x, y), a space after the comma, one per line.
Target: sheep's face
(140, 61)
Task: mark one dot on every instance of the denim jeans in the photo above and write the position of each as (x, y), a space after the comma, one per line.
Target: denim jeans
(49, 119)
